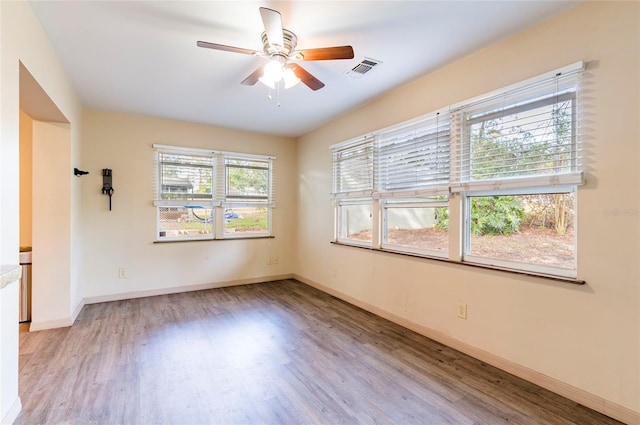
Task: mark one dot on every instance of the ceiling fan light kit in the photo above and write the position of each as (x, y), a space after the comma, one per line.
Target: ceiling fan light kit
(274, 72)
(279, 46)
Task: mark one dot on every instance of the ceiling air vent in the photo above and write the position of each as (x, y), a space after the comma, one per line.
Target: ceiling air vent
(365, 66)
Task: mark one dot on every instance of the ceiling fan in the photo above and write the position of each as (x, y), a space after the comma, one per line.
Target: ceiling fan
(279, 46)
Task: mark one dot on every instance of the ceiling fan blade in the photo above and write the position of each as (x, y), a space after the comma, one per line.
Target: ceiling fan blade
(327, 53)
(215, 46)
(272, 22)
(254, 77)
(312, 82)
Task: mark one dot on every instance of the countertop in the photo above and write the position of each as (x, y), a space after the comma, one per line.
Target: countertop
(9, 273)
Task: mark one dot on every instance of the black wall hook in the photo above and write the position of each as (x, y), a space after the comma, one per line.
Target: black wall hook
(79, 173)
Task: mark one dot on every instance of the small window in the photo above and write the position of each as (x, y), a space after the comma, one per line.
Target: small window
(355, 221)
(185, 176)
(534, 232)
(353, 168)
(417, 225)
(246, 221)
(247, 180)
(185, 222)
(530, 139)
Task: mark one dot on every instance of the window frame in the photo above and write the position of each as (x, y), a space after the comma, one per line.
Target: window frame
(516, 265)
(346, 202)
(247, 201)
(219, 199)
(563, 174)
(386, 205)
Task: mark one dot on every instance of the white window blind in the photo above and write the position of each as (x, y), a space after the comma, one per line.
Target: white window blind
(520, 138)
(353, 169)
(185, 176)
(415, 157)
(248, 181)
(192, 176)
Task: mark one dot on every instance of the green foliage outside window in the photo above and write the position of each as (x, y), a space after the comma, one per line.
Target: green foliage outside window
(490, 215)
(542, 144)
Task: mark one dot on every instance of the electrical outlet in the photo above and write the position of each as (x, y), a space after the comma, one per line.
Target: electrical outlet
(462, 310)
(122, 273)
(275, 259)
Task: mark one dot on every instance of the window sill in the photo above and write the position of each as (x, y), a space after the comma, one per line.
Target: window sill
(466, 264)
(235, 238)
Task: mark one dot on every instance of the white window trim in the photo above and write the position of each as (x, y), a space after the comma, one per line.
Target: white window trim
(230, 235)
(553, 183)
(178, 239)
(404, 248)
(338, 215)
(516, 265)
(217, 201)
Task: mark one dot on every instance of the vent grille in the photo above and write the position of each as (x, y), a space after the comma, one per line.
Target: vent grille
(363, 67)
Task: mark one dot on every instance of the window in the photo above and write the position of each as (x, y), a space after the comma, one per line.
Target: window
(200, 191)
(518, 175)
(413, 170)
(355, 221)
(508, 165)
(247, 196)
(353, 165)
(533, 232)
(416, 225)
(186, 196)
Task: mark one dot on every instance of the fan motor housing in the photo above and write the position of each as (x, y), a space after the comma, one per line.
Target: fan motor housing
(280, 52)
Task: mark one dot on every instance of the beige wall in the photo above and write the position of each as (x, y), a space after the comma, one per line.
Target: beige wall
(585, 336)
(51, 271)
(26, 170)
(124, 237)
(23, 40)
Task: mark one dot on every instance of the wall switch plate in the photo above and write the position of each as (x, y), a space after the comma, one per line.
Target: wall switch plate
(122, 273)
(462, 310)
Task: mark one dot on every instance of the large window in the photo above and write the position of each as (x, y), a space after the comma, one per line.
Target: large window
(205, 194)
(507, 165)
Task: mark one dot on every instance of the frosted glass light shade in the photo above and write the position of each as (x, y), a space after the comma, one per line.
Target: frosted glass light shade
(290, 78)
(276, 71)
(272, 73)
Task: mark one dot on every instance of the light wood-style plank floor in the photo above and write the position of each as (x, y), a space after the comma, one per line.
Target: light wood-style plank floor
(272, 353)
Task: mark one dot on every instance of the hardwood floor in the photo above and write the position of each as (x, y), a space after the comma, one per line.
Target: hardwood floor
(272, 353)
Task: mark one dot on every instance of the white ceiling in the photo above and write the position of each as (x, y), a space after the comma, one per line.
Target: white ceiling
(141, 56)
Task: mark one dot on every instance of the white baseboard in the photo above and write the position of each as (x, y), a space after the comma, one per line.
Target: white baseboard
(77, 311)
(66, 322)
(12, 413)
(50, 324)
(578, 395)
(58, 323)
(178, 289)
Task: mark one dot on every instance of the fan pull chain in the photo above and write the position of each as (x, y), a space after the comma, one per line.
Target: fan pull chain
(278, 92)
